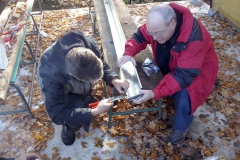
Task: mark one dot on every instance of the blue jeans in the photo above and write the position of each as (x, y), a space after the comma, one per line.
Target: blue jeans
(183, 118)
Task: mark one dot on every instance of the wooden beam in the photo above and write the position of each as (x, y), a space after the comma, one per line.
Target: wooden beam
(18, 10)
(15, 51)
(231, 16)
(216, 4)
(4, 17)
(7, 73)
(230, 9)
(105, 34)
(129, 28)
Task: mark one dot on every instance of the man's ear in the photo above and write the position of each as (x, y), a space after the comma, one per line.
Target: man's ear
(173, 23)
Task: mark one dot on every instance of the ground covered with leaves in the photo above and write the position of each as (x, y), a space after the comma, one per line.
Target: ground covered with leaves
(142, 136)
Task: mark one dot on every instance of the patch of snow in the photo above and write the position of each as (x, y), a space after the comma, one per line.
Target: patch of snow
(34, 107)
(30, 149)
(225, 150)
(87, 153)
(229, 73)
(237, 96)
(136, 19)
(215, 122)
(2, 124)
(25, 71)
(13, 128)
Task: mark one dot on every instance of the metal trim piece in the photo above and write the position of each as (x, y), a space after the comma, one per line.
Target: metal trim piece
(128, 70)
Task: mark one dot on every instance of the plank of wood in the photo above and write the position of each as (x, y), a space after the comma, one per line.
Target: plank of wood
(230, 9)
(15, 52)
(4, 17)
(2, 5)
(18, 10)
(234, 3)
(216, 5)
(106, 36)
(129, 28)
(230, 16)
(7, 73)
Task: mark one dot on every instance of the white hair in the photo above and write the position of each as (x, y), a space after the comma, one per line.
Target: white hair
(163, 11)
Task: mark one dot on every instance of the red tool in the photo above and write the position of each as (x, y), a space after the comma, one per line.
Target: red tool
(93, 105)
(14, 28)
(9, 40)
(111, 99)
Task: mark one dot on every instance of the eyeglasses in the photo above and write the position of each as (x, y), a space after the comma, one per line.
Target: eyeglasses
(159, 33)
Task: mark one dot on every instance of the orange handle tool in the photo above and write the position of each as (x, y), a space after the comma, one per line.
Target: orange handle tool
(93, 105)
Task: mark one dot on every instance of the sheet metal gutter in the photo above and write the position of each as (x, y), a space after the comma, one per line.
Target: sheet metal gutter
(128, 70)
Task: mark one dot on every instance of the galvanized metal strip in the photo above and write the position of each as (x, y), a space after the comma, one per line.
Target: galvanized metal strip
(128, 70)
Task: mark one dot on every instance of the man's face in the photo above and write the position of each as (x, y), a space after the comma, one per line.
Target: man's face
(161, 32)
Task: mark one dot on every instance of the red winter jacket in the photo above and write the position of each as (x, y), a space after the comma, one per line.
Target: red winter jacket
(193, 61)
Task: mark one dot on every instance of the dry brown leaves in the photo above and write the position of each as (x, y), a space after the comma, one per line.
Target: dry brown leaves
(28, 132)
(224, 98)
(73, 3)
(147, 136)
(20, 131)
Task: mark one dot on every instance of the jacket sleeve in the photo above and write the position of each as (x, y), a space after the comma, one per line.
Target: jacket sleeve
(137, 43)
(54, 100)
(108, 75)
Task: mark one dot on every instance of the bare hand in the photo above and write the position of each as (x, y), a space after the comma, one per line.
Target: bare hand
(124, 59)
(121, 85)
(28, 156)
(103, 106)
(147, 94)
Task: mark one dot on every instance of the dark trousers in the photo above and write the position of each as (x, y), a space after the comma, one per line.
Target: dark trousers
(183, 118)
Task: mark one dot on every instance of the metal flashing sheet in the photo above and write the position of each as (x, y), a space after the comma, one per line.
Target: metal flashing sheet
(128, 70)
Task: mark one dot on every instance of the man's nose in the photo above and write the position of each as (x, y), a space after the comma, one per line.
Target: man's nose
(155, 37)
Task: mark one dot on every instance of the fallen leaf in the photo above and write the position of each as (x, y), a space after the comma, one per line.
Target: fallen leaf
(98, 142)
(83, 144)
(111, 144)
(105, 152)
(78, 135)
(113, 131)
(153, 153)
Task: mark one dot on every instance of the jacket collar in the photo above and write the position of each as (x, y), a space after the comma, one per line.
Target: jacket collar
(178, 26)
(187, 22)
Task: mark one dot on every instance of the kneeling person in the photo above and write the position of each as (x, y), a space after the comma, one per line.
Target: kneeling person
(66, 72)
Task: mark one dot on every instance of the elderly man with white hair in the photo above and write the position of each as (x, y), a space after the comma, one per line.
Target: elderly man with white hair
(184, 51)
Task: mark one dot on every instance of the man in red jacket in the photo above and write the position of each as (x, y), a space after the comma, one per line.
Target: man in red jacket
(184, 51)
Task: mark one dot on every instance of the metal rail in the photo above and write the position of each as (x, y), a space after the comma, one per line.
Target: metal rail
(128, 70)
(34, 57)
(37, 33)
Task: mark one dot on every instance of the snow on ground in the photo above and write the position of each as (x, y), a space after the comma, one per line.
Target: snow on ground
(76, 151)
(84, 146)
(210, 130)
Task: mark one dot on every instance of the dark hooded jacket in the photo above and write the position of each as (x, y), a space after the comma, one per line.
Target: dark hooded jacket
(55, 82)
(193, 61)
